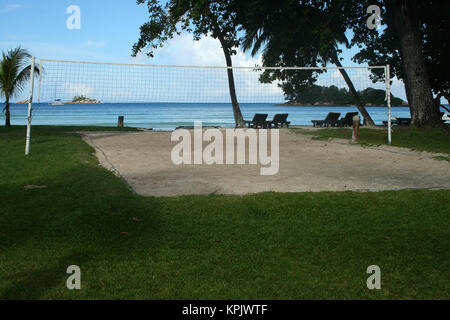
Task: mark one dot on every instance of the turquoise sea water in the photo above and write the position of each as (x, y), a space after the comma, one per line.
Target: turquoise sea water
(167, 116)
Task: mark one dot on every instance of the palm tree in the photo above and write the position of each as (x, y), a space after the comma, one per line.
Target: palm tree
(14, 74)
(312, 39)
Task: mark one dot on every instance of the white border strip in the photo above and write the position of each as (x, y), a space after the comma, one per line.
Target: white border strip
(211, 67)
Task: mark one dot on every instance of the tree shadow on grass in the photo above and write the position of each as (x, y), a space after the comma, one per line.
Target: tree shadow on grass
(87, 202)
(36, 283)
(85, 212)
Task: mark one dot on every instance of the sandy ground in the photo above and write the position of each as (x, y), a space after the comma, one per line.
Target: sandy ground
(144, 160)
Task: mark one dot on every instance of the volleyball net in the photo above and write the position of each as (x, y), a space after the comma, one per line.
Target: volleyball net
(84, 82)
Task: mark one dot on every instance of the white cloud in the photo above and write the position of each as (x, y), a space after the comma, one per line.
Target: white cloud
(398, 88)
(183, 50)
(11, 7)
(94, 44)
(73, 89)
(336, 74)
(141, 58)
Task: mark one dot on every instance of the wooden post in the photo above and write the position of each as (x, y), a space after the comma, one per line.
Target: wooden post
(120, 121)
(355, 127)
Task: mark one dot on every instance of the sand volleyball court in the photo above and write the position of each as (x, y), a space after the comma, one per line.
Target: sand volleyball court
(144, 160)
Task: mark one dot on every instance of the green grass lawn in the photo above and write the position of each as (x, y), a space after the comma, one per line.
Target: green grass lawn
(264, 246)
(433, 140)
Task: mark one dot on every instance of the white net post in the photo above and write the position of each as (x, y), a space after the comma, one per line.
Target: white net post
(40, 81)
(388, 98)
(30, 106)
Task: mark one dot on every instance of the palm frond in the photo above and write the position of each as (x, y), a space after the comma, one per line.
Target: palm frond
(14, 71)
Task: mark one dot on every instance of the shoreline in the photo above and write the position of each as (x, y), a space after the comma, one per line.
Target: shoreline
(275, 104)
(65, 102)
(334, 106)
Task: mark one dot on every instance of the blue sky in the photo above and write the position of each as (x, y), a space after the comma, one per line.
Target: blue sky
(108, 28)
(108, 31)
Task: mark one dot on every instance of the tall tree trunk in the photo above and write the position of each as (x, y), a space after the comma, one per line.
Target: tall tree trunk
(418, 88)
(359, 105)
(238, 119)
(7, 113)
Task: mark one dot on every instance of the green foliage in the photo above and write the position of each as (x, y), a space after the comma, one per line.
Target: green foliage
(297, 33)
(79, 98)
(309, 42)
(382, 47)
(307, 33)
(377, 97)
(264, 246)
(339, 96)
(14, 74)
(200, 18)
(15, 71)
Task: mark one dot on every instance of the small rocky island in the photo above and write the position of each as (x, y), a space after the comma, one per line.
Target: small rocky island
(334, 96)
(83, 99)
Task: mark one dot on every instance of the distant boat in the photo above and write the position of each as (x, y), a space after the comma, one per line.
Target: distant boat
(57, 102)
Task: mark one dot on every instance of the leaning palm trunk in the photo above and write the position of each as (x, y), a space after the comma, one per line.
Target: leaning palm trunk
(238, 119)
(359, 104)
